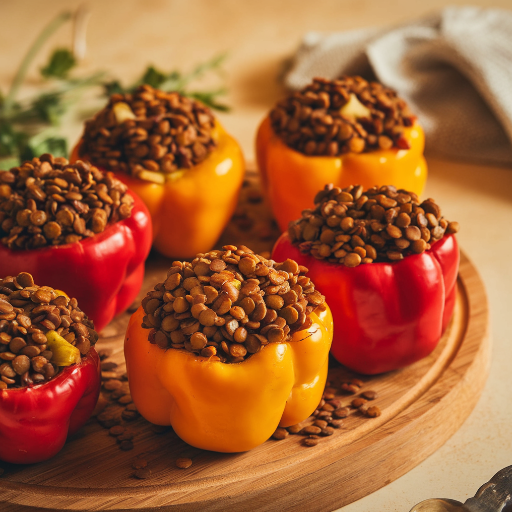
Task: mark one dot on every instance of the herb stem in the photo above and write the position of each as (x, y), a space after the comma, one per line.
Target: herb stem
(30, 55)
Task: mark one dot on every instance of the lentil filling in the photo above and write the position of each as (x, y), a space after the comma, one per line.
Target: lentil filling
(40, 331)
(352, 227)
(47, 201)
(227, 304)
(333, 117)
(149, 131)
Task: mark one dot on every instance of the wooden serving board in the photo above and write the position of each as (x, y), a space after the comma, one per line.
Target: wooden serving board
(422, 406)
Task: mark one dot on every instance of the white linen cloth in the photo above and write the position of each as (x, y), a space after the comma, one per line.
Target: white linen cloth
(453, 68)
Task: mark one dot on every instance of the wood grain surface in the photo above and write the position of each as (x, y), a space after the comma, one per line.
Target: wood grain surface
(422, 406)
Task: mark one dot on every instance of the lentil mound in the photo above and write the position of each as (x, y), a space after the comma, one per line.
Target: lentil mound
(27, 313)
(149, 131)
(352, 227)
(47, 201)
(227, 305)
(333, 117)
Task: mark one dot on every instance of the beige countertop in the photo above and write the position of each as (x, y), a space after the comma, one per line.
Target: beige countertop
(126, 35)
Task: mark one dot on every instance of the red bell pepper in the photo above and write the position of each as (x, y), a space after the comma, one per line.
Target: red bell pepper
(386, 315)
(36, 420)
(104, 272)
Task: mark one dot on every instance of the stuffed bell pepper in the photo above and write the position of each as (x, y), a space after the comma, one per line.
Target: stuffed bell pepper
(49, 370)
(337, 131)
(387, 265)
(176, 156)
(229, 347)
(76, 229)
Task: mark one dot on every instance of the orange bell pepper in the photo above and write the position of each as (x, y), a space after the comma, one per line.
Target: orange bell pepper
(229, 407)
(291, 179)
(191, 207)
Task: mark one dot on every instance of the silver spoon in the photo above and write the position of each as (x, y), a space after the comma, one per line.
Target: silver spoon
(493, 496)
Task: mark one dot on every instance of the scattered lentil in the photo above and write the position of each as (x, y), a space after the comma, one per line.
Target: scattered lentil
(358, 402)
(116, 430)
(183, 463)
(109, 375)
(280, 434)
(104, 353)
(127, 435)
(112, 384)
(107, 366)
(109, 418)
(349, 388)
(129, 415)
(311, 430)
(373, 411)
(142, 473)
(139, 463)
(310, 441)
(126, 445)
(369, 395)
(294, 429)
(342, 412)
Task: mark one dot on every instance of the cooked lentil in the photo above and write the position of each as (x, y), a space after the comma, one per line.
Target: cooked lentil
(142, 473)
(27, 313)
(294, 429)
(126, 445)
(227, 304)
(148, 132)
(183, 463)
(139, 463)
(369, 395)
(280, 434)
(358, 402)
(333, 117)
(47, 201)
(342, 412)
(373, 411)
(352, 227)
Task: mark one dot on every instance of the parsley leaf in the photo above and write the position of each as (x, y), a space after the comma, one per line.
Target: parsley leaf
(60, 64)
(176, 81)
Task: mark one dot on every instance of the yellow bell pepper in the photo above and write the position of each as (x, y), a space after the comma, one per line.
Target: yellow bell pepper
(191, 207)
(229, 407)
(291, 179)
(64, 354)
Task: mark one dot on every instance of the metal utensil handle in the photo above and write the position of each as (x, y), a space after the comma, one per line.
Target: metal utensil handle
(493, 496)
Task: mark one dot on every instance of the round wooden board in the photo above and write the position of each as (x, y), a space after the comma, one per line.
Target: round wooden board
(422, 406)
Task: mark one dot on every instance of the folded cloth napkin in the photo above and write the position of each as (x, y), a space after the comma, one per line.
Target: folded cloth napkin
(453, 68)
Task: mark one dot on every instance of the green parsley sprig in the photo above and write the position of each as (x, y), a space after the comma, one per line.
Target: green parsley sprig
(30, 127)
(177, 81)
